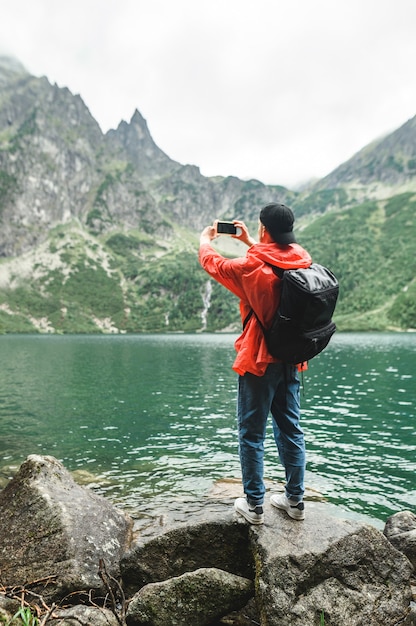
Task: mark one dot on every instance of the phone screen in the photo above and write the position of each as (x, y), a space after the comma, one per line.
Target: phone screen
(226, 228)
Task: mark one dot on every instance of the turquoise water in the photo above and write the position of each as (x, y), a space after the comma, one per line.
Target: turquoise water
(148, 419)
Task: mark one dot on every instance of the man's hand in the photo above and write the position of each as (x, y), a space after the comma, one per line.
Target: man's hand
(208, 234)
(244, 236)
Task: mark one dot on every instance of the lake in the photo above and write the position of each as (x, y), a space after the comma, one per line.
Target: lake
(150, 419)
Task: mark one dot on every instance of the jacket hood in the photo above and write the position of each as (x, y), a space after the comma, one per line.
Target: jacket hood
(287, 257)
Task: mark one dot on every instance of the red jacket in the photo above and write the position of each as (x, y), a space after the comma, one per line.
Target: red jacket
(252, 280)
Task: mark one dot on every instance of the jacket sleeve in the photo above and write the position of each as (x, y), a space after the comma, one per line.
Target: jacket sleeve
(228, 272)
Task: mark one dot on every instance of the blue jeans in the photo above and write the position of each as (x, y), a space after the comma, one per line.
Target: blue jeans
(276, 392)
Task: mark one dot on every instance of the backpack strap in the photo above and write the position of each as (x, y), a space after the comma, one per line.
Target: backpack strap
(247, 318)
(279, 271)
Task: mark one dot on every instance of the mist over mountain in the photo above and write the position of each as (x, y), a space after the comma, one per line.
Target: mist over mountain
(99, 232)
(389, 162)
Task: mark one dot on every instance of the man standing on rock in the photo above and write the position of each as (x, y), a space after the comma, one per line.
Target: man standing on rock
(265, 385)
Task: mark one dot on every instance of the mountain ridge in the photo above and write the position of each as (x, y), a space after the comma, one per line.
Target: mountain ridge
(376, 163)
(99, 231)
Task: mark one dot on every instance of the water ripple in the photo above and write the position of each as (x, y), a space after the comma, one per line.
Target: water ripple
(153, 417)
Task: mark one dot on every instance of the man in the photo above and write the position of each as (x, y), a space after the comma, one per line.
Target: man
(265, 384)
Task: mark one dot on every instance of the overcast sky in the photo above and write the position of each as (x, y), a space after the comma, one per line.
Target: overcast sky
(281, 91)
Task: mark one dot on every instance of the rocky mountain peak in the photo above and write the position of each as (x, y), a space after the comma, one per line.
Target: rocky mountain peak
(138, 120)
(135, 140)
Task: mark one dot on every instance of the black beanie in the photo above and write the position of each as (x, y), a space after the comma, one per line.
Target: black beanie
(278, 220)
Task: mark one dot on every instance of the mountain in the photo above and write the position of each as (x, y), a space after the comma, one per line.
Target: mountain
(57, 166)
(386, 164)
(99, 231)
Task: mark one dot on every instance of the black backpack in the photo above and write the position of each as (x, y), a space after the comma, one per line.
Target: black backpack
(302, 325)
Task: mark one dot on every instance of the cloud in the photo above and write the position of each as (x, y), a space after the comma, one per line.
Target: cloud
(276, 91)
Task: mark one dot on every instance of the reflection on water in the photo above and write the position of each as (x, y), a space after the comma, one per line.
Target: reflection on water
(144, 417)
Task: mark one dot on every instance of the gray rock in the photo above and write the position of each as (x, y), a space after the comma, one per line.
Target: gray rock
(5, 612)
(55, 530)
(345, 570)
(218, 541)
(8, 605)
(411, 617)
(195, 598)
(400, 530)
(81, 615)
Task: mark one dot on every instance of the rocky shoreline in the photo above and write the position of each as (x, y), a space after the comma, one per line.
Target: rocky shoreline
(74, 558)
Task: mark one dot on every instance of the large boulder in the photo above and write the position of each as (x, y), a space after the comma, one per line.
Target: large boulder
(344, 570)
(56, 532)
(196, 598)
(400, 530)
(217, 541)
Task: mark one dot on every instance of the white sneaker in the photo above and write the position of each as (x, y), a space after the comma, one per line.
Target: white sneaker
(295, 510)
(254, 515)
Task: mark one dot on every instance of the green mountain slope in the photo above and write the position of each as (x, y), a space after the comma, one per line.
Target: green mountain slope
(370, 248)
(74, 283)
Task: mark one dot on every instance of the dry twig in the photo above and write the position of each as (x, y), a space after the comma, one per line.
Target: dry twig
(108, 580)
(46, 614)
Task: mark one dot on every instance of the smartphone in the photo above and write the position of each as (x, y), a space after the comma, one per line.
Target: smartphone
(226, 228)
